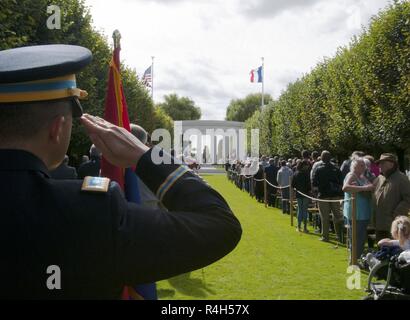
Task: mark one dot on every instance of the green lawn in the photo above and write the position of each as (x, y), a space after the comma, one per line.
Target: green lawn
(272, 260)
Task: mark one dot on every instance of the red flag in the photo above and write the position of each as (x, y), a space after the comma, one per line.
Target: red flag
(116, 112)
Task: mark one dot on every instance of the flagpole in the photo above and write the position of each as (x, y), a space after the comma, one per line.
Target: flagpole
(263, 81)
(152, 78)
(117, 38)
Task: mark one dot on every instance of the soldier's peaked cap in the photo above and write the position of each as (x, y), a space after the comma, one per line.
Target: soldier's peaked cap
(42, 73)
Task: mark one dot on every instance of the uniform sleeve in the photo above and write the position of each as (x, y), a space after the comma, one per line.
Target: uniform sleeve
(197, 229)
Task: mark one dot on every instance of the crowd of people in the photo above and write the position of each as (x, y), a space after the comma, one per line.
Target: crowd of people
(380, 190)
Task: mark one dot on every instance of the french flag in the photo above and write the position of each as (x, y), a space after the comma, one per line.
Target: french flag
(256, 75)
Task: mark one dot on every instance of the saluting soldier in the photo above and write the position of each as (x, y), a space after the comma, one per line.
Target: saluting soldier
(87, 229)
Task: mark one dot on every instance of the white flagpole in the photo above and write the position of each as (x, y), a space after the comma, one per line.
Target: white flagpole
(152, 78)
(263, 81)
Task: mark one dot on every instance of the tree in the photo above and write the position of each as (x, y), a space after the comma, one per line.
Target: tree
(242, 109)
(359, 99)
(180, 108)
(163, 121)
(261, 120)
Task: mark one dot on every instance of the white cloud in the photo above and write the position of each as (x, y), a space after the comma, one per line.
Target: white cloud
(205, 49)
(269, 8)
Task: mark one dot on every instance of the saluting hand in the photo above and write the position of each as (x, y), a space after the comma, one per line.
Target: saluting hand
(116, 144)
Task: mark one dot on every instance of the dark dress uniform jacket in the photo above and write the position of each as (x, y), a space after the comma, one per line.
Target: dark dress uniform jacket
(99, 241)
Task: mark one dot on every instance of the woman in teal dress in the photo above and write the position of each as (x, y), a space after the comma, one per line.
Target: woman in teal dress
(358, 186)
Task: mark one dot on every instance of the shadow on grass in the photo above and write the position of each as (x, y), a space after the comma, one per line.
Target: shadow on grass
(193, 287)
(165, 293)
(332, 239)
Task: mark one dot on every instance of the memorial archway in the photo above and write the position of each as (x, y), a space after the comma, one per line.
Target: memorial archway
(221, 138)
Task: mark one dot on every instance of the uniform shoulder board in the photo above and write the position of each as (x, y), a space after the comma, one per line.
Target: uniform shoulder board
(95, 184)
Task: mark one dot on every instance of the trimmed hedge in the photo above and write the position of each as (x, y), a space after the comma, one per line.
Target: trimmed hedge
(359, 99)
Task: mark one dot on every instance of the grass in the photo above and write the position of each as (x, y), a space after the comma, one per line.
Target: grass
(272, 260)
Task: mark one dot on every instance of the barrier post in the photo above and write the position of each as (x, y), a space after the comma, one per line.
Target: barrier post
(291, 200)
(265, 190)
(353, 260)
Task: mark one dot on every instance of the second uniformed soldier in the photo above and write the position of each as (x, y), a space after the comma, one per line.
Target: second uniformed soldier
(87, 230)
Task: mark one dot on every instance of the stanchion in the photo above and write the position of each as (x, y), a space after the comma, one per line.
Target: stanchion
(291, 200)
(353, 260)
(265, 190)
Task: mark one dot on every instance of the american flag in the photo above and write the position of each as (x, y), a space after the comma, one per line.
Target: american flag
(147, 77)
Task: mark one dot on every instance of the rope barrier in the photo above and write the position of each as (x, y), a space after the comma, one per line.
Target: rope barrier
(322, 200)
(277, 187)
(258, 180)
(353, 259)
(305, 195)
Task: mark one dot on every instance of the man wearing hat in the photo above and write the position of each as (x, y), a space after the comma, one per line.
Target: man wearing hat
(86, 229)
(392, 195)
